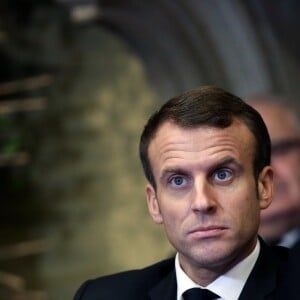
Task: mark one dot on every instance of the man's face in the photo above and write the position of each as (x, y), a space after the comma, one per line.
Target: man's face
(206, 193)
(284, 212)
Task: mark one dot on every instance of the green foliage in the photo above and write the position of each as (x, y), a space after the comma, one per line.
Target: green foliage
(4, 122)
(12, 146)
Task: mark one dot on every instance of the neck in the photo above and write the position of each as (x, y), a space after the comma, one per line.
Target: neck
(205, 272)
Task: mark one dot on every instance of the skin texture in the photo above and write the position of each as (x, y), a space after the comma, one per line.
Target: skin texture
(206, 196)
(284, 212)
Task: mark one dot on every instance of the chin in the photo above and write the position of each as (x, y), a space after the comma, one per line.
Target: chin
(212, 256)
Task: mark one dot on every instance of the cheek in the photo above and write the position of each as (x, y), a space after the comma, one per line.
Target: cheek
(174, 214)
(245, 212)
(252, 213)
(172, 226)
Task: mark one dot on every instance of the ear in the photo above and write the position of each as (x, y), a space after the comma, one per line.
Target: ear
(265, 187)
(153, 205)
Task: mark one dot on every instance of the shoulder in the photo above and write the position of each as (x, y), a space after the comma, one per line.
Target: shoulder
(274, 256)
(281, 252)
(267, 273)
(276, 252)
(153, 272)
(271, 263)
(289, 287)
(128, 284)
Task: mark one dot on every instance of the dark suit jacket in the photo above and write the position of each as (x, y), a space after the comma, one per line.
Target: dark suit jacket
(290, 285)
(158, 282)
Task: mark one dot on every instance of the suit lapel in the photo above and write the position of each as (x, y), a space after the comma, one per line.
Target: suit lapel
(166, 289)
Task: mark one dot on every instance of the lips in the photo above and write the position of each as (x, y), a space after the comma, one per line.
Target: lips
(207, 231)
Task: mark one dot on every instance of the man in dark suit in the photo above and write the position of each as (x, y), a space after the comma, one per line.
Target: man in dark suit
(206, 156)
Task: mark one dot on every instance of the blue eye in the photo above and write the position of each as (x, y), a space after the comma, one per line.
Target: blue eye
(178, 181)
(223, 175)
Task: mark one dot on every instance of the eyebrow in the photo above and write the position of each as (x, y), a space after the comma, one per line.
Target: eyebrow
(224, 162)
(175, 170)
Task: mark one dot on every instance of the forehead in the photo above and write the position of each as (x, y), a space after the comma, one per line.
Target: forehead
(174, 144)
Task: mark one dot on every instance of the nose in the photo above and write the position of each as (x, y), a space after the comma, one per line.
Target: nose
(203, 199)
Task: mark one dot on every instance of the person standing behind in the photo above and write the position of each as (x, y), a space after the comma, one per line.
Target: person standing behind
(280, 223)
(206, 156)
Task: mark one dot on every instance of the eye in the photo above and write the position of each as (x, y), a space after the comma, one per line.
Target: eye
(178, 181)
(222, 175)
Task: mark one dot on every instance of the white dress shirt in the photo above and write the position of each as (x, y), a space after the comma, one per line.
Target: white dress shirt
(228, 286)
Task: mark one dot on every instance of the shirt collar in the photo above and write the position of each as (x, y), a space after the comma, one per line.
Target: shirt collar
(228, 286)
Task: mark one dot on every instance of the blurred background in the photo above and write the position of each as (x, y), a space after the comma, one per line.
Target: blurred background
(78, 80)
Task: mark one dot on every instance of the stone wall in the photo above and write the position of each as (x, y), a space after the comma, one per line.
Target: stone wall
(87, 171)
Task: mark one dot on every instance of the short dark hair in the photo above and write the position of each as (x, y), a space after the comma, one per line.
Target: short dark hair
(209, 106)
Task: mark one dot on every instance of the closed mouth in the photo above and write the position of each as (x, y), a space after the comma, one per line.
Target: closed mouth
(207, 231)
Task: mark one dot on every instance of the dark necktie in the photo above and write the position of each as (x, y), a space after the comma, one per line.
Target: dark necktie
(199, 294)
